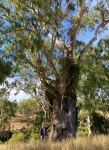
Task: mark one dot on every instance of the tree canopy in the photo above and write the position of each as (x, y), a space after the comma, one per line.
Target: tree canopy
(39, 34)
(46, 42)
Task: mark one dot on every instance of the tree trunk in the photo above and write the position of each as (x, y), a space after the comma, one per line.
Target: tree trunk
(63, 98)
(64, 120)
(89, 125)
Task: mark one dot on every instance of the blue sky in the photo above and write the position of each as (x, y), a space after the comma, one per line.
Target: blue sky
(20, 96)
(86, 36)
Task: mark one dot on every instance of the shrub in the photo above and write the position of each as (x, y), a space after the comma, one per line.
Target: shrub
(26, 133)
(34, 137)
(17, 137)
(5, 135)
(1, 142)
(100, 124)
(82, 131)
(34, 134)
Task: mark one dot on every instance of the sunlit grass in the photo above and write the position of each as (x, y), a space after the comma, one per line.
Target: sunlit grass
(86, 143)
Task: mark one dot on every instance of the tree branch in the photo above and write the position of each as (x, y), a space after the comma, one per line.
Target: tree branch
(30, 63)
(93, 39)
(19, 28)
(49, 60)
(75, 26)
(40, 71)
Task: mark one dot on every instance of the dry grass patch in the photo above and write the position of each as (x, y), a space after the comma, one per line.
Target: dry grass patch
(86, 143)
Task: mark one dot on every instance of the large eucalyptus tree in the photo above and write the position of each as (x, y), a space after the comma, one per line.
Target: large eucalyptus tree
(43, 40)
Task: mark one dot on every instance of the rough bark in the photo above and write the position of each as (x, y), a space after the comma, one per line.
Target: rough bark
(64, 120)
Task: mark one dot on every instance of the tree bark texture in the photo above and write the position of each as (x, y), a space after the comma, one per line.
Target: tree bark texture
(65, 113)
(64, 120)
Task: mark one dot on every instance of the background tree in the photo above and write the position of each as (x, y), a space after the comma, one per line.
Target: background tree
(7, 110)
(93, 90)
(34, 110)
(42, 39)
(29, 108)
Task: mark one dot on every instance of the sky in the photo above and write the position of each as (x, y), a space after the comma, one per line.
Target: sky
(20, 96)
(86, 37)
(13, 96)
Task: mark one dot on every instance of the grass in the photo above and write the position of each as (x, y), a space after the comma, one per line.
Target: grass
(86, 143)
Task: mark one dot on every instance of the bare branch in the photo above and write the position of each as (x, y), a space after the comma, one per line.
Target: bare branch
(40, 72)
(50, 61)
(30, 63)
(27, 91)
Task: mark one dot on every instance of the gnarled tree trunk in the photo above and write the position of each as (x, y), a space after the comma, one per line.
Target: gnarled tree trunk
(64, 118)
(64, 121)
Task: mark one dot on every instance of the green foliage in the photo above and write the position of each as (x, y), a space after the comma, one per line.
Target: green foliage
(7, 110)
(34, 135)
(82, 123)
(82, 131)
(26, 132)
(5, 70)
(26, 29)
(100, 123)
(69, 70)
(29, 106)
(3, 93)
(30, 30)
(1, 142)
(39, 119)
(32, 108)
(17, 137)
(93, 87)
(30, 134)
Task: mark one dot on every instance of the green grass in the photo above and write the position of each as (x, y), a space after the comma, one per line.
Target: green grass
(86, 143)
